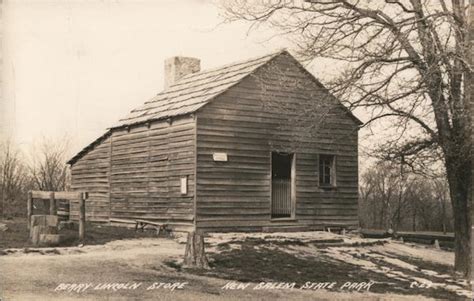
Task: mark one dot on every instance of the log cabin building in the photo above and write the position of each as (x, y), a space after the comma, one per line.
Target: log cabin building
(258, 145)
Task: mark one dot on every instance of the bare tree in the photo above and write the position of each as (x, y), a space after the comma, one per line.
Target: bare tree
(13, 180)
(441, 193)
(384, 202)
(406, 63)
(422, 205)
(392, 200)
(48, 168)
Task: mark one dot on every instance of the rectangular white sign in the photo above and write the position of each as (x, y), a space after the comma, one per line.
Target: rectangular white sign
(219, 157)
(184, 185)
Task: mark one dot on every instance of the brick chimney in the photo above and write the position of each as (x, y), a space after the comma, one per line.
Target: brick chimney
(178, 66)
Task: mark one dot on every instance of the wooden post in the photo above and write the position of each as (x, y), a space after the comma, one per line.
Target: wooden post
(29, 208)
(52, 204)
(82, 216)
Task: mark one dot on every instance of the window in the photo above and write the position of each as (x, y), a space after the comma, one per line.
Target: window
(327, 170)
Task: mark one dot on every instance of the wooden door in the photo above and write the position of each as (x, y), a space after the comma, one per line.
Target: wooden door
(281, 185)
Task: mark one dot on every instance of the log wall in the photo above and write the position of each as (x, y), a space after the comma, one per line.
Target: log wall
(278, 108)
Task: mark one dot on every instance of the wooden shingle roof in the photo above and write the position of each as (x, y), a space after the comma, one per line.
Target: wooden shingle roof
(186, 95)
(193, 91)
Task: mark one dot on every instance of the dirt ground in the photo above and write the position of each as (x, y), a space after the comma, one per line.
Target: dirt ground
(17, 234)
(390, 270)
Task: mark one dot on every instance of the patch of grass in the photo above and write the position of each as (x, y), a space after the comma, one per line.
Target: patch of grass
(282, 242)
(446, 245)
(426, 265)
(257, 262)
(416, 263)
(223, 246)
(17, 235)
(173, 264)
(99, 234)
(327, 241)
(289, 242)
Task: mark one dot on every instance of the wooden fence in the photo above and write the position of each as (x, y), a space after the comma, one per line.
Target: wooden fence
(423, 237)
(53, 197)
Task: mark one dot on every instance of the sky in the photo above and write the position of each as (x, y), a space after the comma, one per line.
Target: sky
(71, 68)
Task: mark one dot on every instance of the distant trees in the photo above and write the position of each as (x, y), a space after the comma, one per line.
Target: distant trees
(390, 199)
(14, 179)
(45, 170)
(48, 166)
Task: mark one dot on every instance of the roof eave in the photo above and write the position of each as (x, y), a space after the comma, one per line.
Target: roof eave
(109, 131)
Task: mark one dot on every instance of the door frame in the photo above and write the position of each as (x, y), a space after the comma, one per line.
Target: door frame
(292, 187)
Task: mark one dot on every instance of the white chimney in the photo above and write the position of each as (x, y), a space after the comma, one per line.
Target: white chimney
(178, 66)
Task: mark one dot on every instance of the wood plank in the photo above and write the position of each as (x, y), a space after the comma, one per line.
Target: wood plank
(67, 195)
(35, 194)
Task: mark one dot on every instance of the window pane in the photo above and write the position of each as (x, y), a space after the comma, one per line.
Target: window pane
(327, 170)
(326, 165)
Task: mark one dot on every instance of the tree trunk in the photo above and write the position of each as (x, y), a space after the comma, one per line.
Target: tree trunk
(443, 208)
(413, 226)
(462, 243)
(382, 217)
(195, 255)
(459, 182)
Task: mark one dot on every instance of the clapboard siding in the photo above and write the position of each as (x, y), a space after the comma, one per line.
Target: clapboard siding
(134, 171)
(147, 164)
(91, 174)
(278, 108)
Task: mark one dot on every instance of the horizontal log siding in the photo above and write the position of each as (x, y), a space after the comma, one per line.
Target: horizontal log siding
(91, 174)
(147, 165)
(254, 118)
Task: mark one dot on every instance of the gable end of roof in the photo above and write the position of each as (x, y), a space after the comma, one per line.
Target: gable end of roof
(348, 112)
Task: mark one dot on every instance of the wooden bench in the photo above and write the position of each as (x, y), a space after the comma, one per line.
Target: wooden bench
(141, 224)
(341, 229)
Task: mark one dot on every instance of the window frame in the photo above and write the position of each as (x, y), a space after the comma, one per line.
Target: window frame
(333, 171)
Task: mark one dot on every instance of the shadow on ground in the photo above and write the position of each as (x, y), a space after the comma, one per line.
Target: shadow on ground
(258, 260)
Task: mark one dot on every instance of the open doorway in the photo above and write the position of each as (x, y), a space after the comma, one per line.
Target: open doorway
(282, 185)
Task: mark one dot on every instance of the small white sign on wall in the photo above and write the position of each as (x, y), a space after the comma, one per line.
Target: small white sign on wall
(184, 185)
(219, 157)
